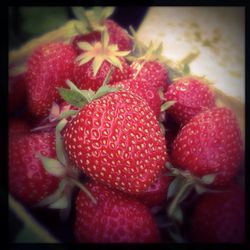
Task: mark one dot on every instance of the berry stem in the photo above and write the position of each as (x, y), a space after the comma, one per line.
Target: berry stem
(178, 197)
(84, 189)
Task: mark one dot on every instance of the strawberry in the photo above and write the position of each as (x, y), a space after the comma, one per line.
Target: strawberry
(220, 217)
(210, 143)
(117, 140)
(192, 96)
(151, 71)
(118, 35)
(95, 63)
(17, 92)
(95, 21)
(146, 91)
(28, 180)
(156, 194)
(150, 68)
(48, 67)
(114, 219)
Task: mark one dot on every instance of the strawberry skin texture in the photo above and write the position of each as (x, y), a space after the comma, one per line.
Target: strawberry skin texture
(17, 92)
(153, 72)
(117, 140)
(18, 127)
(192, 96)
(156, 194)
(118, 35)
(28, 180)
(146, 91)
(220, 217)
(115, 219)
(210, 143)
(48, 67)
(85, 79)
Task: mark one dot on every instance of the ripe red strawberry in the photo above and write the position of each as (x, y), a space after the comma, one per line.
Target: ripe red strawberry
(145, 90)
(151, 71)
(17, 92)
(118, 35)
(210, 143)
(114, 219)
(192, 96)
(117, 140)
(156, 194)
(28, 180)
(48, 67)
(220, 217)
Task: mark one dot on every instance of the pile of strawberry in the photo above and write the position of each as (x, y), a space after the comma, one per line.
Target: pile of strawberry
(150, 155)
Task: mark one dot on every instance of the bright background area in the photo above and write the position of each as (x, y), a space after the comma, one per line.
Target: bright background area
(219, 34)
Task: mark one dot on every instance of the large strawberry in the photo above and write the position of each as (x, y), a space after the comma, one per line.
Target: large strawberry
(146, 91)
(117, 140)
(48, 67)
(191, 95)
(94, 64)
(210, 143)
(17, 92)
(114, 219)
(149, 68)
(96, 20)
(28, 180)
(220, 217)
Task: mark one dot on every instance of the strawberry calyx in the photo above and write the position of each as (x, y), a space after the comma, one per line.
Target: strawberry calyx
(80, 98)
(150, 53)
(93, 18)
(56, 114)
(182, 186)
(99, 52)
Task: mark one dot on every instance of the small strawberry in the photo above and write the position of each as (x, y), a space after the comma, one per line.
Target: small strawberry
(95, 21)
(17, 92)
(220, 217)
(94, 64)
(114, 219)
(28, 180)
(192, 96)
(149, 68)
(48, 67)
(210, 143)
(118, 35)
(117, 140)
(145, 90)
(156, 194)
